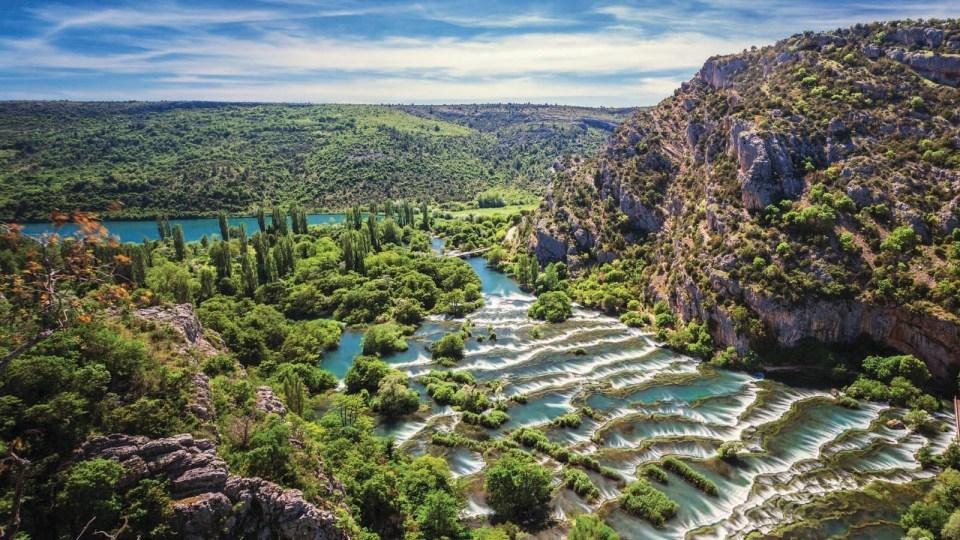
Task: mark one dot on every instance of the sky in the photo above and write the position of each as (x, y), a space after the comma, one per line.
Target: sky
(619, 53)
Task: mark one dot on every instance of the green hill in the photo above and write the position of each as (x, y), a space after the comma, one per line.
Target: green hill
(186, 158)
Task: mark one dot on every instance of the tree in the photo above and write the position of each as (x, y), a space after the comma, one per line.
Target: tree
(248, 274)
(449, 346)
(439, 516)
(365, 374)
(294, 391)
(384, 339)
(518, 488)
(261, 219)
(591, 528)
(394, 397)
(373, 232)
(42, 296)
(222, 259)
(90, 491)
(171, 281)
(224, 228)
(425, 223)
(207, 286)
(553, 306)
(179, 245)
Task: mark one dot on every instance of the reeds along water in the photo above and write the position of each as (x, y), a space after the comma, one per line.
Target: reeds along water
(654, 403)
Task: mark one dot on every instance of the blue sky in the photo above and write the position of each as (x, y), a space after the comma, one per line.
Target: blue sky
(396, 51)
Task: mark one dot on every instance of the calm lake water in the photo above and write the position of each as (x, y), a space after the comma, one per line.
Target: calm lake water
(193, 228)
(652, 403)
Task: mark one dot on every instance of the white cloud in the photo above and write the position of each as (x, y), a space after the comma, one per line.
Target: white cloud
(394, 90)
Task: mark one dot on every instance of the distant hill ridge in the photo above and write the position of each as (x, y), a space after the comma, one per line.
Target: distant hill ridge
(189, 158)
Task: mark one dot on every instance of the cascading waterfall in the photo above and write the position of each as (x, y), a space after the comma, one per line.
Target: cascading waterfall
(653, 403)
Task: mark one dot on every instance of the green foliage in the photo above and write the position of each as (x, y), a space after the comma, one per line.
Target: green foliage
(518, 488)
(696, 479)
(366, 374)
(384, 339)
(642, 500)
(900, 240)
(183, 158)
(553, 306)
(90, 490)
(580, 483)
(588, 527)
(653, 472)
(450, 346)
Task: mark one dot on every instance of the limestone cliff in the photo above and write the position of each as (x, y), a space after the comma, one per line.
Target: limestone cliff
(807, 189)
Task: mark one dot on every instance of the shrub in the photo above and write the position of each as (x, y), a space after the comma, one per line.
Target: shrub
(653, 472)
(696, 479)
(569, 420)
(449, 346)
(642, 500)
(553, 306)
(580, 483)
(588, 527)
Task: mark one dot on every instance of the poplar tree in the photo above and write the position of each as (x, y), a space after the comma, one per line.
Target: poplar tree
(261, 219)
(207, 288)
(224, 228)
(248, 275)
(179, 245)
(373, 232)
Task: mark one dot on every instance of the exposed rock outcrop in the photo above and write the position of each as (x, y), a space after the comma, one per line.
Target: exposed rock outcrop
(269, 403)
(765, 186)
(183, 319)
(208, 501)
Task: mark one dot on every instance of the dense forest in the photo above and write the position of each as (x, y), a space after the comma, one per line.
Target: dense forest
(141, 159)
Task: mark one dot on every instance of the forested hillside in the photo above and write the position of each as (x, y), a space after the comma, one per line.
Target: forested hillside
(186, 158)
(809, 190)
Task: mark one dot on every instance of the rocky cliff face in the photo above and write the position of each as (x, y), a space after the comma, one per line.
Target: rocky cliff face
(765, 190)
(209, 502)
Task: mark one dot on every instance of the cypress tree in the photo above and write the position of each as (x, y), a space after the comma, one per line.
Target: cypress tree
(263, 251)
(207, 287)
(179, 245)
(138, 270)
(161, 231)
(224, 228)
(205, 242)
(261, 219)
(279, 221)
(373, 232)
(243, 238)
(222, 261)
(248, 274)
(148, 252)
(424, 216)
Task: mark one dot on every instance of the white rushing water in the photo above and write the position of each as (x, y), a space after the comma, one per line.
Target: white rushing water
(654, 403)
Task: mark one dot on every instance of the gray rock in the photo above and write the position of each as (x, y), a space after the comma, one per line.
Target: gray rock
(209, 503)
(717, 71)
(183, 319)
(766, 172)
(269, 403)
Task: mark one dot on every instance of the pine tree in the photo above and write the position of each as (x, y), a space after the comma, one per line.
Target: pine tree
(224, 228)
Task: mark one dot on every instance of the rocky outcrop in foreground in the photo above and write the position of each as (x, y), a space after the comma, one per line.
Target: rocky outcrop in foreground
(183, 319)
(208, 501)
